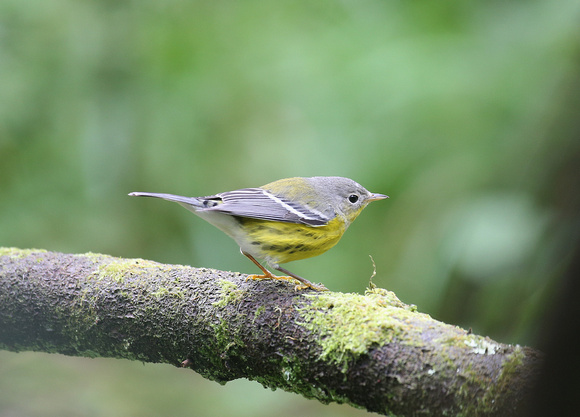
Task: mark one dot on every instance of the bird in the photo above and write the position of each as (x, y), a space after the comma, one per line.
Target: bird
(283, 221)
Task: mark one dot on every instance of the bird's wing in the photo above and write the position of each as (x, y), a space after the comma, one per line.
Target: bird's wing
(258, 203)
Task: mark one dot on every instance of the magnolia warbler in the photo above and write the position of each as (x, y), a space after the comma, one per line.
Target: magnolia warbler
(283, 221)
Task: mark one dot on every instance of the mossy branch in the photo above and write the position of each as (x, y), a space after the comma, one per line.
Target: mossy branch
(369, 350)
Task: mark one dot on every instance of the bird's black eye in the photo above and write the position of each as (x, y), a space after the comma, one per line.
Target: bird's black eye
(353, 198)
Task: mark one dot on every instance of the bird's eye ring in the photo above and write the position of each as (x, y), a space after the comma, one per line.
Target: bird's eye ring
(353, 198)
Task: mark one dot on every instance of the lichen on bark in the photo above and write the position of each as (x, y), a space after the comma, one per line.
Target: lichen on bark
(370, 350)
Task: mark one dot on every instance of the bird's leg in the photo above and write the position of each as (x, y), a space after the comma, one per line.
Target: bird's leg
(305, 283)
(268, 275)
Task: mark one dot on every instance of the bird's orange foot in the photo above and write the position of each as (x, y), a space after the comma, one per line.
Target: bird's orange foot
(301, 285)
(270, 276)
(304, 285)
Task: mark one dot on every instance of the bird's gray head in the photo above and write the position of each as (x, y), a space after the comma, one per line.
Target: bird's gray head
(345, 196)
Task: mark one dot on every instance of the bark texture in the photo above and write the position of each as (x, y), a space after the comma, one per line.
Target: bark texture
(370, 351)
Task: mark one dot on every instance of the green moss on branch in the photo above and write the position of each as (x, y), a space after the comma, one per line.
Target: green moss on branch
(370, 351)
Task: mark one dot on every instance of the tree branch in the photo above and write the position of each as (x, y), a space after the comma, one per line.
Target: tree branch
(370, 351)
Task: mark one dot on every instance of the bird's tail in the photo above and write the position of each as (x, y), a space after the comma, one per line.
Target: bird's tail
(191, 203)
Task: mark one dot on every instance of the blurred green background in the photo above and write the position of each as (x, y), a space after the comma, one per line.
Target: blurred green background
(464, 113)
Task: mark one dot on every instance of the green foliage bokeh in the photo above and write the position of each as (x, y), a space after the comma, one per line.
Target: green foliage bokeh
(459, 111)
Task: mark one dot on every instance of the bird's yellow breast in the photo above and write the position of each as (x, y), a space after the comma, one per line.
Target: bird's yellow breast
(279, 242)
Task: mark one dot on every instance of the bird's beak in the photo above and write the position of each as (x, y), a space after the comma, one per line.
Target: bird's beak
(375, 197)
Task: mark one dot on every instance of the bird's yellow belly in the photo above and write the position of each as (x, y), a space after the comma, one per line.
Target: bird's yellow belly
(278, 242)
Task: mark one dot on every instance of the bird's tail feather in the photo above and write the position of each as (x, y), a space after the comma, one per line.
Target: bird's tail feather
(190, 201)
